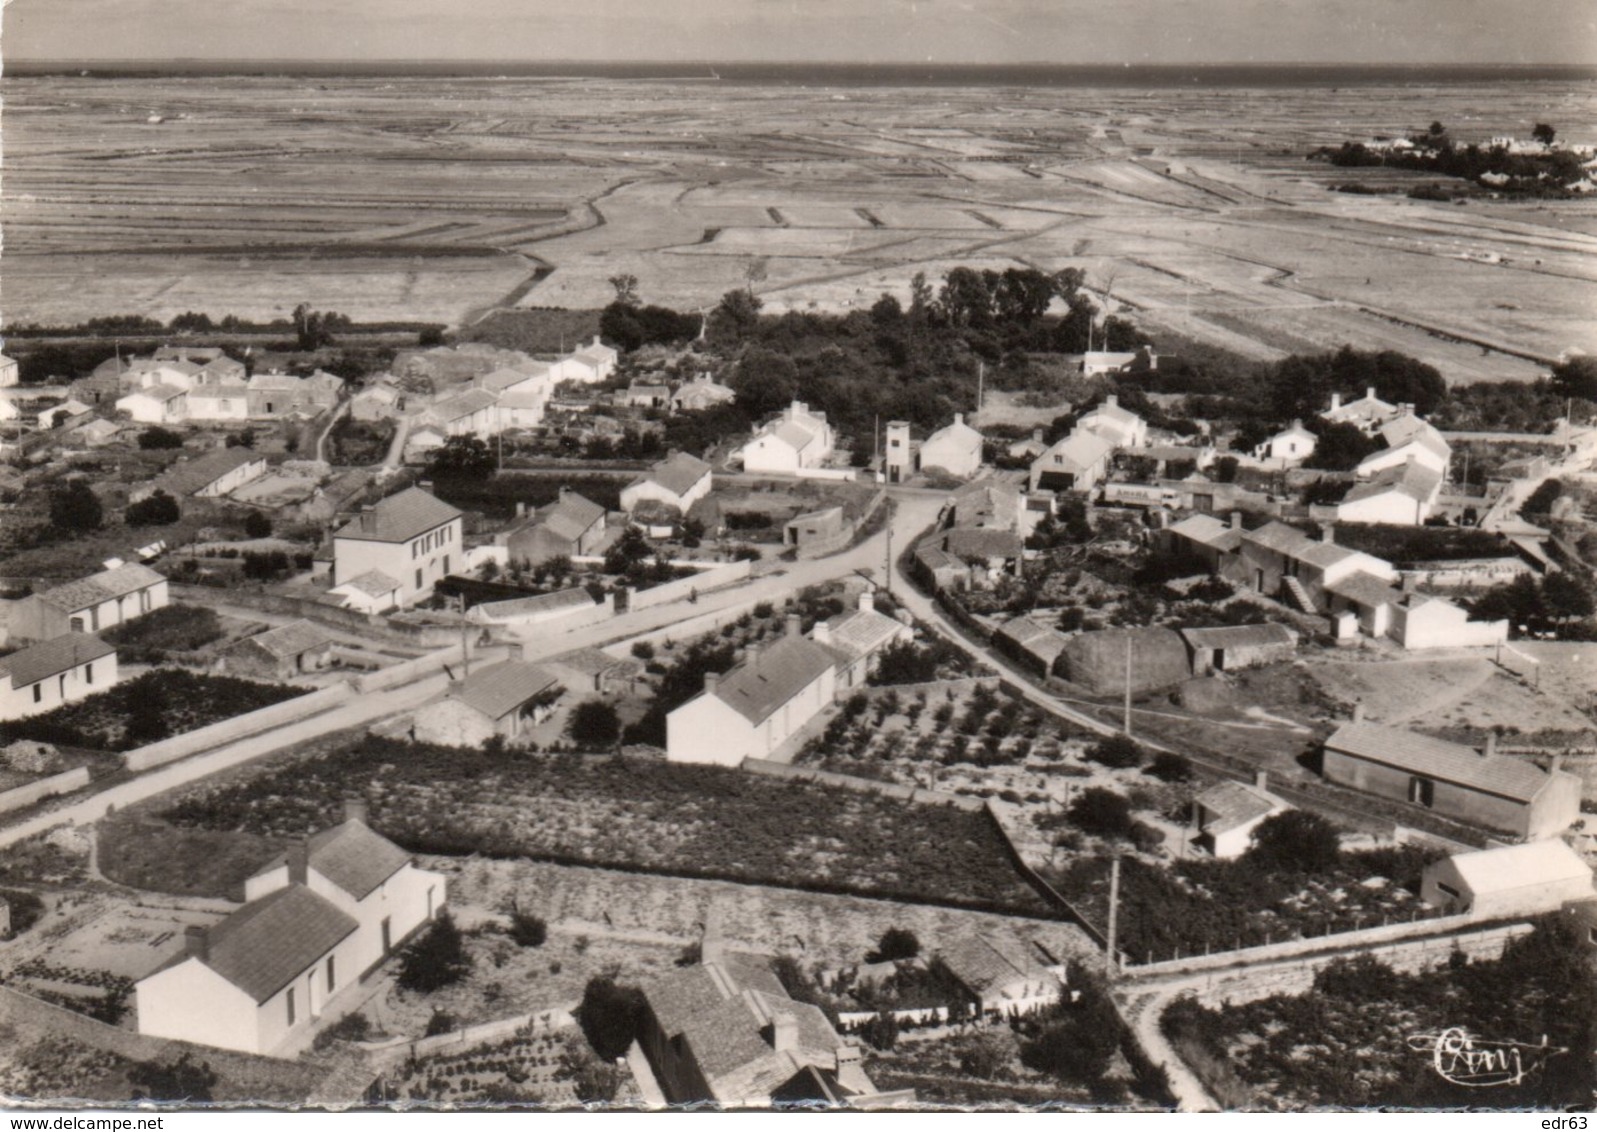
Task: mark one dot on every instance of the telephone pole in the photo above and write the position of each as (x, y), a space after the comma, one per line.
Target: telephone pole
(1114, 913)
(465, 648)
(1127, 724)
(889, 564)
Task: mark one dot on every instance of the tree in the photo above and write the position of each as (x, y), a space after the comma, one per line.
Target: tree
(183, 1080)
(1296, 841)
(1116, 751)
(895, 944)
(243, 439)
(157, 438)
(1340, 447)
(1167, 766)
(881, 1032)
(626, 289)
(1077, 1040)
(594, 723)
(75, 507)
(1542, 499)
(594, 1081)
(1102, 812)
(735, 316)
(257, 525)
(1544, 133)
(155, 510)
(1565, 597)
(463, 458)
(435, 960)
(610, 1015)
(1576, 378)
(1225, 469)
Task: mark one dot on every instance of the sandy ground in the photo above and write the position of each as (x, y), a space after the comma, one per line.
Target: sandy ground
(440, 198)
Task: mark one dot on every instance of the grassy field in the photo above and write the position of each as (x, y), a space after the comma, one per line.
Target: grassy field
(701, 821)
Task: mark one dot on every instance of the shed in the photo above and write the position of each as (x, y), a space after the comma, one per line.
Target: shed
(282, 653)
(1512, 880)
(1228, 813)
(505, 699)
(1030, 644)
(1230, 647)
(1097, 660)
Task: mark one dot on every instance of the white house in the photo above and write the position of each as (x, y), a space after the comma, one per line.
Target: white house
(1095, 363)
(1229, 812)
(1409, 440)
(507, 699)
(9, 373)
(101, 601)
(210, 476)
(57, 415)
(680, 480)
(859, 635)
(701, 393)
(55, 672)
(1119, 426)
(155, 404)
(1403, 496)
(413, 537)
(955, 449)
(1368, 412)
(1077, 462)
(797, 439)
(1289, 447)
(315, 921)
(757, 706)
(220, 399)
(472, 413)
(1511, 880)
(593, 363)
(370, 593)
(1422, 622)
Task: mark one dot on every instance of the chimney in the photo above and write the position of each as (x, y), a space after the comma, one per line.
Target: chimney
(1336, 402)
(1261, 780)
(521, 508)
(712, 681)
(1327, 532)
(1297, 423)
(1112, 401)
(355, 809)
(822, 633)
(298, 862)
(1236, 520)
(959, 418)
(596, 340)
(1358, 712)
(1490, 750)
(197, 942)
(1369, 392)
(795, 625)
(867, 601)
(1409, 584)
(564, 491)
(1037, 435)
(784, 1033)
(1557, 764)
(425, 485)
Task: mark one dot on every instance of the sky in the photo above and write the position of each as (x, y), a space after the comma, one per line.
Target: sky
(849, 31)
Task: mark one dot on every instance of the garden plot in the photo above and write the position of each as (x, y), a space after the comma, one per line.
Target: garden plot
(122, 939)
(525, 1067)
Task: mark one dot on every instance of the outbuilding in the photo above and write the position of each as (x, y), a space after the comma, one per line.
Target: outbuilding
(1512, 880)
(1227, 648)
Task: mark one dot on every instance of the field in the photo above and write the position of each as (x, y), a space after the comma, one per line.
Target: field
(449, 198)
(701, 821)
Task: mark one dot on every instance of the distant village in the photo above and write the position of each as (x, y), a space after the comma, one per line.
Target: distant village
(459, 629)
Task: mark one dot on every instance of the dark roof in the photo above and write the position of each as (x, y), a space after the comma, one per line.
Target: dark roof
(773, 676)
(355, 858)
(1038, 640)
(61, 654)
(500, 689)
(678, 473)
(292, 639)
(985, 963)
(270, 942)
(860, 632)
(1366, 590)
(571, 516)
(202, 471)
(1436, 758)
(1411, 479)
(1239, 636)
(983, 542)
(399, 518)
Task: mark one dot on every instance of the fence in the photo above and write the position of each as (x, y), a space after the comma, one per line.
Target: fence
(1047, 891)
(239, 727)
(63, 783)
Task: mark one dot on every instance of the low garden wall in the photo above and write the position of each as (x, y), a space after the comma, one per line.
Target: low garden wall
(239, 727)
(541, 1022)
(406, 671)
(730, 574)
(63, 783)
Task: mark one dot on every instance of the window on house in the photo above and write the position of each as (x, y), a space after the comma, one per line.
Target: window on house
(418, 580)
(88, 673)
(330, 980)
(1421, 791)
(290, 1001)
(1448, 890)
(76, 624)
(38, 693)
(63, 684)
(446, 563)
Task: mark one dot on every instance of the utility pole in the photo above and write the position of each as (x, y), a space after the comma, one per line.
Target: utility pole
(1127, 725)
(889, 564)
(981, 384)
(465, 648)
(1114, 913)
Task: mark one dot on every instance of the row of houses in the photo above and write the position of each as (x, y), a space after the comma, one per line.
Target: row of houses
(177, 392)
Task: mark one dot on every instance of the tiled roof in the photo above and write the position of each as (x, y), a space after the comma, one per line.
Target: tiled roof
(1515, 866)
(274, 383)
(1366, 590)
(501, 379)
(1233, 804)
(354, 857)
(571, 516)
(1436, 758)
(1038, 640)
(466, 404)
(399, 518)
(983, 542)
(597, 663)
(199, 473)
(47, 658)
(1325, 554)
(292, 639)
(984, 963)
(1079, 451)
(500, 689)
(987, 503)
(1208, 531)
(158, 392)
(1117, 413)
(760, 685)
(373, 583)
(1280, 538)
(679, 473)
(934, 557)
(794, 435)
(1401, 430)
(270, 942)
(958, 433)
(860, 632)
(1239, 636)
(1411, 479)
(107, 585)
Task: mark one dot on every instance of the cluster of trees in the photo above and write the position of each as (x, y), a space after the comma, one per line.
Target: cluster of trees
(1561, 604)
(1435, 151)
(156, 438)
(156, 510)
(629, 324)
(74, 507)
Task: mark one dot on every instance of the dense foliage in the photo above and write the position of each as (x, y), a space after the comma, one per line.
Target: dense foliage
(74, 507)
(435, 959)
(156, 510)
(154, 637)
(611, 1016)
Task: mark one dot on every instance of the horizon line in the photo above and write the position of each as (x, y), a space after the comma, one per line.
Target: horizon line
(711, 62)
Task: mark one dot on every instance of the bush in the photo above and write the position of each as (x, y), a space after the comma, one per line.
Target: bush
(594, 723)
(526, 929)
(896, 943)
(152, 439)
(157, 510)
(610, 1015)
(183, 1080)
(350, 1028)
(75, 507)
(1167, 766)
(257, 525)
(441, 1022)
(435, 960)
(643, 650)
(1101, 812)
(1295, 841)
(1117, 751)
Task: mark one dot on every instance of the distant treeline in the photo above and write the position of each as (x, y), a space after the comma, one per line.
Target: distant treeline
(191, 322)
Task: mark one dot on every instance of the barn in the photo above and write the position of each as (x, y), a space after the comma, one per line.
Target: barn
(1512, 880)
(1097, 660)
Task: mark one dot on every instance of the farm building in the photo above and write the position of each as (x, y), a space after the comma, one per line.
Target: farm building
(1119, 426)
(592, 364)
(533, 609)
(1278, 560)
(1404, 495)
(1368, 598)
(1227, 648)
(377, 402)
(315, 921)
(860, 635)
(1032, 645)
(1097, 660)
(989, 552)
(701, 393)
(1095, 363)
(1511, 880)
(999, 976)
(97, 432)
(955, 449)
(680, 480)
(1421, 622)
(1478, 787)
(796, 440)
(412, 537)
(990, 503)
(370, 593)
(472, 413)
(571, 525)
(644, 395)
(54, 672)
(1078, 462)
(57, 415)
(590, 671)
(101, 601)
(220, 399)
(275, 395)
(727, 1031)
(655, 519)
(1408, 440)
(822, 527)
(282, 653)
(210, 476)
(1229, 812)
(750, 711)
(507, 699)
(1368, 412)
